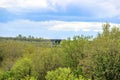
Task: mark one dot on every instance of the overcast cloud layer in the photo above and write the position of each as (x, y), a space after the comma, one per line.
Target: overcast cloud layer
(56, 18)
(100, 8)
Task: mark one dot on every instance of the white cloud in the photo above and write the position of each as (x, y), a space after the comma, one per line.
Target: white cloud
(86, 30)
(50, 29)
(97, 30)
(100, 8)
(54, 25)
(23, 5)
(76, 26)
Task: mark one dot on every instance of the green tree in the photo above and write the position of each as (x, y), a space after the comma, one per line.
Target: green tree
(46, 59)
(62, 74)
(19, 36)
(106, 30)
(22, 68)
(20, 71)
(75, 52)
(107, 55)
(11, 53)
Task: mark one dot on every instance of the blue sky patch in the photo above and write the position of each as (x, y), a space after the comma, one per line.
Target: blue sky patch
(56, 18)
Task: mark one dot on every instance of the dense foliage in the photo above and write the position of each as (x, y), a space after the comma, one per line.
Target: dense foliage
(79, 58)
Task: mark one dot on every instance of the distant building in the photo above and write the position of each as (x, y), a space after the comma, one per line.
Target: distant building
(55, 41)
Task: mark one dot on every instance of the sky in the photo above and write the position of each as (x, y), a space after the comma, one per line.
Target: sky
(57, 18)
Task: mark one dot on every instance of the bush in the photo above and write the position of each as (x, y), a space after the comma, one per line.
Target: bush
(63, 74)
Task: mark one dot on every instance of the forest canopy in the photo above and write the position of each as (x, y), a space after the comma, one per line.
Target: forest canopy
(77, 58)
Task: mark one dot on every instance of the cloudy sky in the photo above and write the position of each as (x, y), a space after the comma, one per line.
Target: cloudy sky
(56, 18)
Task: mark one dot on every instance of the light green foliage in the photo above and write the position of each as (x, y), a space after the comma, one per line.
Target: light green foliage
(8, 75)
(10, 52)
(30, 58)
(20, 71)
(107, 58)
(74, 50)
(45, 60)
(22, 68)
(62, 74)
(106, 30)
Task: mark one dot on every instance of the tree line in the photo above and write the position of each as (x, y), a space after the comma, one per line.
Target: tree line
(23, 38)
